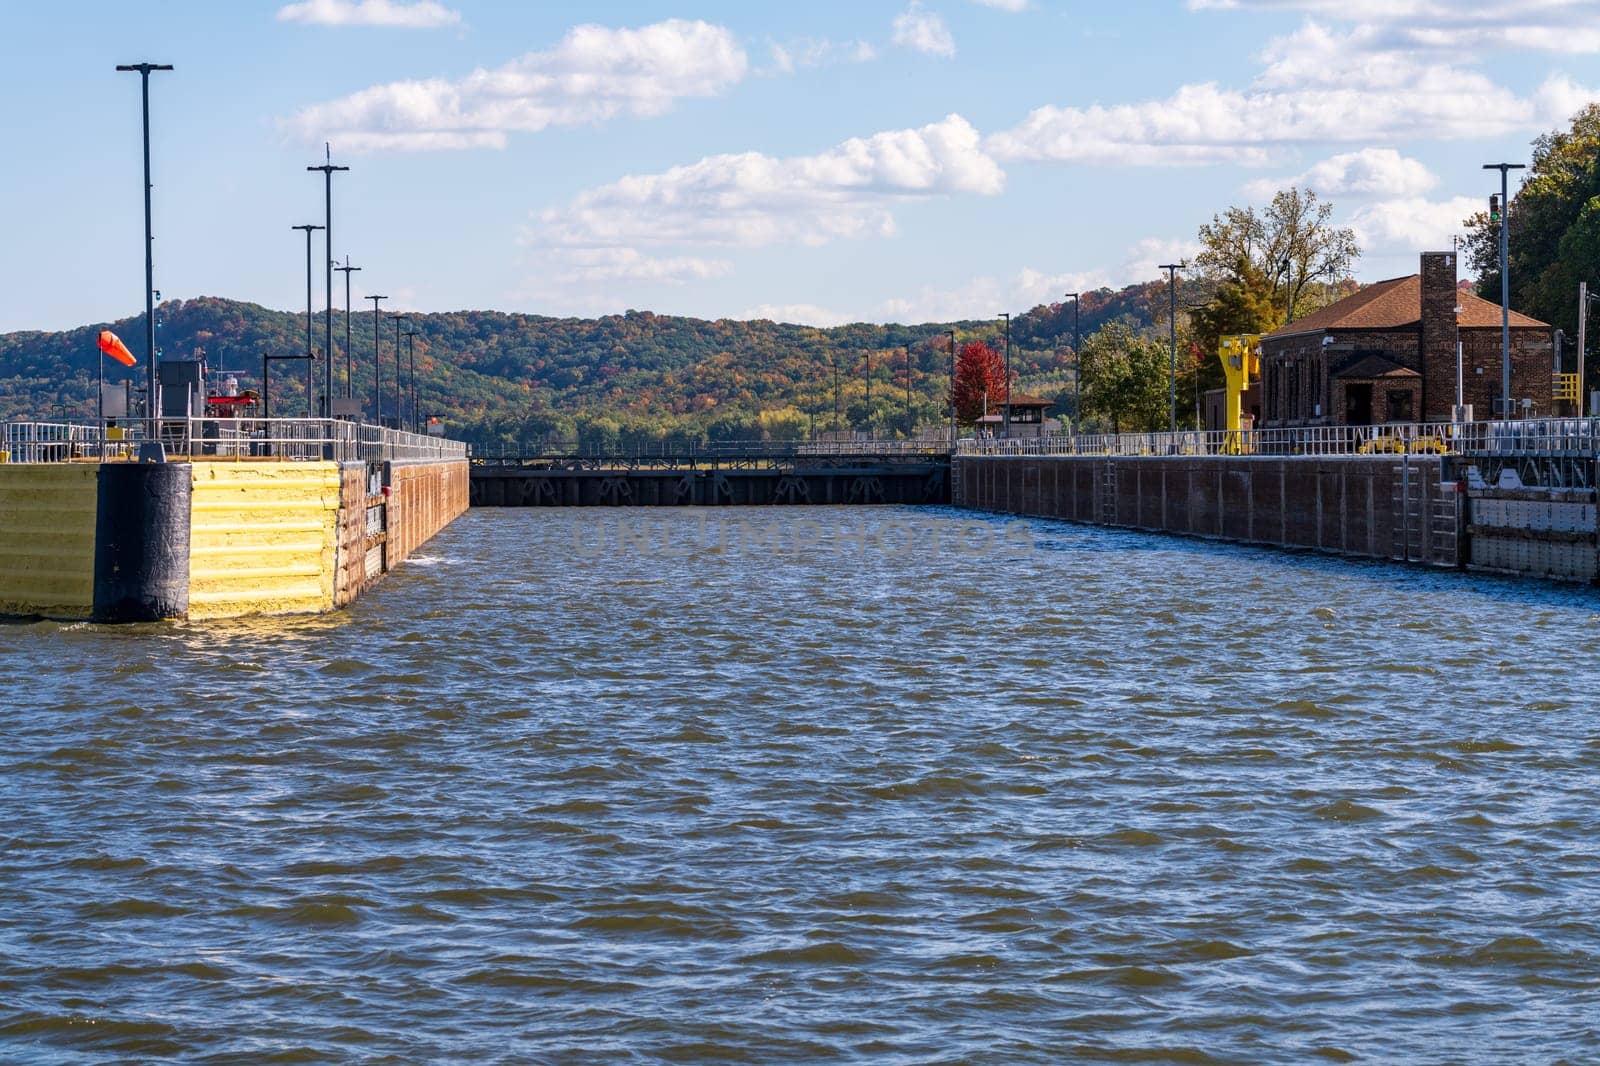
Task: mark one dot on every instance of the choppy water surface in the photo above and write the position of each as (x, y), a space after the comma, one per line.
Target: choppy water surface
(1114, 797)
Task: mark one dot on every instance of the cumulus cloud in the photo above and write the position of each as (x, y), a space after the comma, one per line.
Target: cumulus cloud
(602, 265)
(798, 314)
(592, 75)
(793, 55)
(1005, 5)
(1405, 224)
(422, 14)
(752, 200)
(1369, 173)
(1563, 26)
(923, 31)
(1312, 90)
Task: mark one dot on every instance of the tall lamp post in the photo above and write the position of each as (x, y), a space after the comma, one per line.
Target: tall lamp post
(396, 319)
(377, 363)
(868, 376)
(411, 358)
(153, 389)
(909, 425)
(1172, 382)
(328, 170)
(349, 356)
(951, 334)
(1505, 283)
(1077, 367)
(311, 399)
(1006, 421)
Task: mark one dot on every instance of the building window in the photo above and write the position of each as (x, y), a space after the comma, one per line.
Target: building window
(1399, 406)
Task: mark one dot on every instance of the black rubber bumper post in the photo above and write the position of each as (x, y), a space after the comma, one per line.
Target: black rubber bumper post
(141, 561)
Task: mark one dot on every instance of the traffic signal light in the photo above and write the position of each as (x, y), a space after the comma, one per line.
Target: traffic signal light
(1494, 208)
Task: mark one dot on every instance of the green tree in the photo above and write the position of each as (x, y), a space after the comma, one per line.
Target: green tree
(1125, 380)
(1292, 245)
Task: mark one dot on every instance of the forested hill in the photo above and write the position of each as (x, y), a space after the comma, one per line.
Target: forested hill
(505, 378)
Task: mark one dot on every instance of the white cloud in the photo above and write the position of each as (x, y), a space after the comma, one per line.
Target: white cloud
(793, 55)
(1369, 173)
(753, 200)
(602, 265)
(1313, 90)
(799, 314)
(1005, 5)
(1405, 224)
(1565, 26)
(593, 74)
(422, 14)
(923, 31)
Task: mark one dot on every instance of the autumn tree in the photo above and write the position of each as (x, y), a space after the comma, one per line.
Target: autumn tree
(1554, 221)
(1125, 380)
(980, 376)
(1292, 245)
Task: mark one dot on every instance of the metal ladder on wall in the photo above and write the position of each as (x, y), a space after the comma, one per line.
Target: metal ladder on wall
(1423, 529)
(1108, 494)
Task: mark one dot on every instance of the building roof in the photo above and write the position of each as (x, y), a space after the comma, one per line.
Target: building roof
(1376, 366)
(1020, 400)
(1397, 304)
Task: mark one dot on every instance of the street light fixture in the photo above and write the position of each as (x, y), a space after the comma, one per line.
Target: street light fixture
(328, 170)
(349, 356)
(1172, 382)
(1006, 421)
(153, 390)
(950, 333)
(411, 357)
(1505, 284)
(396, 319)
(1077, 365)
(311, 399)
(377, 363)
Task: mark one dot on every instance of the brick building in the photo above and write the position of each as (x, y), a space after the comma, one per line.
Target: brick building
(1388, 354)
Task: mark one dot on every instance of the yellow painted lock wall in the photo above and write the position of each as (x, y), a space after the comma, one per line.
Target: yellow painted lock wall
(263, 538)
(47, 511)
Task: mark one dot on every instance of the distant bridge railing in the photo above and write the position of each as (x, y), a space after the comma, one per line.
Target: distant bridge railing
(224, 438)
(1544, 437)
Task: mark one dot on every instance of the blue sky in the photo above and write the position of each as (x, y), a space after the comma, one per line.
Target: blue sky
(902, 160)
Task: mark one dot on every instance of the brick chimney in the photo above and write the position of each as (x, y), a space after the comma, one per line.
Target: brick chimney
(1439, 302)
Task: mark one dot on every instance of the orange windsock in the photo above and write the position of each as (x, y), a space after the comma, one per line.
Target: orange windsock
(112, 345)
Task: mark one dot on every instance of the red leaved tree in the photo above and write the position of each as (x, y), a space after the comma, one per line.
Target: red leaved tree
(979, 371)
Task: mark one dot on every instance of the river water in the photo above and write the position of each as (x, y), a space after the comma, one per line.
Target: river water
(878, 785)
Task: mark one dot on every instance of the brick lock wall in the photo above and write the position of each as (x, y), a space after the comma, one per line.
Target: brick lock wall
(1531, 368)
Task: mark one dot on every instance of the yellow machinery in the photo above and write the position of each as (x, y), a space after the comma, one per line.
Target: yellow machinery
(1241, 364)
(1567, 389)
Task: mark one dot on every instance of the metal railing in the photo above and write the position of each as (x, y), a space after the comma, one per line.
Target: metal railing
(1543, 437)
(718, 451)
(224, 438)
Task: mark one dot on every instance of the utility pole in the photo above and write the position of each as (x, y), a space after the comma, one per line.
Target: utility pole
(869, 394)
(1006, 421)
(1077, 366)
(152, 396)
(950, 333)
(377, 363)
(349, 356)
(328, 170)
(1172, 382)
(1584, 300)
(1505, 282)
(311, 399)
(1288, 290)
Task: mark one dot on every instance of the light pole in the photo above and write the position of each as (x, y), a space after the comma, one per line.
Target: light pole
(1172, 382)
(950, 333)
(411, 358)
(1006, 420)
(1288, 290)
(869, 393)
(349, 356)
(311, 400)
(1505, 283)
(153, 389)
(377, 363)
(328, 170)
(397, 319)
(1077, 366)
(907, 350)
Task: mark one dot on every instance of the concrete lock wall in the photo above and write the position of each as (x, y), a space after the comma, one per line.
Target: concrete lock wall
(126, 542)
(47, 538)
(1386, 507)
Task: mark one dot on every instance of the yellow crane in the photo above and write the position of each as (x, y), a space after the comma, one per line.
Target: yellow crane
(1241, 364)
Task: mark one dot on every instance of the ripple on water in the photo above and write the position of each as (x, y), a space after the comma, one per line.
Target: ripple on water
(1159, 801)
